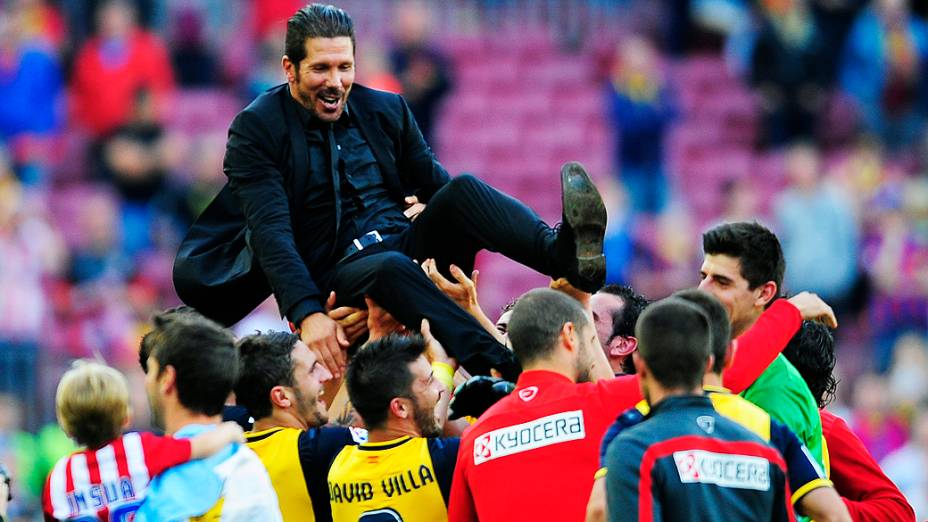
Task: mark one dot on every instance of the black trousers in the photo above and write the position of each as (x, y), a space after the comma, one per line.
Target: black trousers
(462, 218)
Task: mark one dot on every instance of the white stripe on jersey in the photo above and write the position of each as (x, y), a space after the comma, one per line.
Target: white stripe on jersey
(80, 474)
(57, 485)
(109, 470)
(135, 459)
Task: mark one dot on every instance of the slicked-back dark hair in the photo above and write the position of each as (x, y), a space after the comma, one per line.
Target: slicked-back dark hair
(316, 21)
(204, 358)
(812, 352)
(379, 373)
(673, 339)
(266, 361)
(537, 320)
(623, 323)
(756, 248)
(719, 324)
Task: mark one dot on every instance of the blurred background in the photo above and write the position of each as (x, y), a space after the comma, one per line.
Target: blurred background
(807, 115)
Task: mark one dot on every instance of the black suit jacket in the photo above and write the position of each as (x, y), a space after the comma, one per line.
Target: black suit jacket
(248, 242)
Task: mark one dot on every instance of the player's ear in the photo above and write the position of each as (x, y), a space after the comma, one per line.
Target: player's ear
(399, 407)
(765, 293)
(279, 397)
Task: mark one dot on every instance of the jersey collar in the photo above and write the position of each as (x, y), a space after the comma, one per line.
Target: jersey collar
(541, 377)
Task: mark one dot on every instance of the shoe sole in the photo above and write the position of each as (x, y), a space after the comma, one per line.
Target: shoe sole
(585, 212)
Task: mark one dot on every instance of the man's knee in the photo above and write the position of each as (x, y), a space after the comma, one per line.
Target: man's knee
(393, 264)
(465, 183)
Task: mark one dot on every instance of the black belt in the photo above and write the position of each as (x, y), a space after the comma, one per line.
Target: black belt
(359, 244)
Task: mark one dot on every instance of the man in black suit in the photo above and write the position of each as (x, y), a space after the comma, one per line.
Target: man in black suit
(330, 194)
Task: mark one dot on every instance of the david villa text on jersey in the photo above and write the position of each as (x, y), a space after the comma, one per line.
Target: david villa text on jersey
(395, 485)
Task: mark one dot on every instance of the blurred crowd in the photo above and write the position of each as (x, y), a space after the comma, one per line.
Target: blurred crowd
(112, 131)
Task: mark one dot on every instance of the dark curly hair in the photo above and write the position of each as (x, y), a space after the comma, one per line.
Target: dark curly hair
(812, 352)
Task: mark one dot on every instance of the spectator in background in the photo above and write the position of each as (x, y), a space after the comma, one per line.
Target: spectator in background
(908, 377)
(30, 80)
(896, 257)
(113, 66)
(818, 230)
(740, 200)
(883, 71)
(134, 161)
(873, 418)
(641, 107)
(421, 68)
(30, 251)
(906, 467)
(191, 56)
(786, 70)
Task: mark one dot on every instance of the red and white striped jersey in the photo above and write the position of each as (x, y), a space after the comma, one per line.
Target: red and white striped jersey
(109, 483)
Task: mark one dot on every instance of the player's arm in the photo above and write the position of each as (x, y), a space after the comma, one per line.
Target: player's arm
(596, 507)
(443, 368)
(210, 442)
(812, 494)
(868, 493)
(756, 348)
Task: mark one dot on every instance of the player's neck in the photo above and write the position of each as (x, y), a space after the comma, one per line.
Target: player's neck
(177, 419)
(712, 379)
(279, 419)
(739, 329)
(393, 430)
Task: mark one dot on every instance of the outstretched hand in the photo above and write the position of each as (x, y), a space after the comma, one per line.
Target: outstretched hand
(379, 321)
(327, 339)
(463, 292)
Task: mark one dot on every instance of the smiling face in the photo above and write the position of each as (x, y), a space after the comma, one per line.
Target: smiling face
(426, 392)
(308, 377)
(322, 81)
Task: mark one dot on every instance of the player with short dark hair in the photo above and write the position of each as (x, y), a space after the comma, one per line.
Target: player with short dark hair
(672, 465)
(404, 470)
(280, 384)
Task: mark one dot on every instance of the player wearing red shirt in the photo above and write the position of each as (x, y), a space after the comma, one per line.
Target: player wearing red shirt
(541, 442)
(868, 493)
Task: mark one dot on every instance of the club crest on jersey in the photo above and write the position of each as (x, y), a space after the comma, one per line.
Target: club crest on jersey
(553, 429)
(527, 394)
(706, 423)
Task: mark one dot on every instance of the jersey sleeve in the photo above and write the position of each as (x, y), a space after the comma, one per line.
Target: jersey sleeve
(623, 481)
(756, 348)
(461, 506)
(162, 453)
(782, 508)
(870, 496)
(444, 453)
(804, 474)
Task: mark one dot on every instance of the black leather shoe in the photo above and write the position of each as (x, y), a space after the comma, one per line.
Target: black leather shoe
(583, 229)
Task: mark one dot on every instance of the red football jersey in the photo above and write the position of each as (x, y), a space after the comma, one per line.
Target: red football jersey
(109, 483)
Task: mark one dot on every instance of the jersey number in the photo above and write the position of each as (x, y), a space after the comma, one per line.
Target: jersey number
(381, 515)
